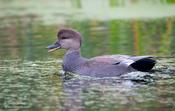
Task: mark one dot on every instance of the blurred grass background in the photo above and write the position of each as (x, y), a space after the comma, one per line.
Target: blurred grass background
(135, 27)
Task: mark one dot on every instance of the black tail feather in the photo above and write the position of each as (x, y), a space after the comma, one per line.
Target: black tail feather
(145, 64)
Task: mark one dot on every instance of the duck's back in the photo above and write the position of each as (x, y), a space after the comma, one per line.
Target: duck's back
(115, 65)
(141, 63)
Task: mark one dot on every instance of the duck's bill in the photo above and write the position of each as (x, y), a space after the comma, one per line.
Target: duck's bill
(53, 47)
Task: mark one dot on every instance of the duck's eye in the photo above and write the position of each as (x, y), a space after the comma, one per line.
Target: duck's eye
(64, 38)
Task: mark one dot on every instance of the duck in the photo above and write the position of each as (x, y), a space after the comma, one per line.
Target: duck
(100, 66)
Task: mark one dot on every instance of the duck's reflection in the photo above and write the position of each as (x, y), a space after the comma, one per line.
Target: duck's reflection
(85, 93)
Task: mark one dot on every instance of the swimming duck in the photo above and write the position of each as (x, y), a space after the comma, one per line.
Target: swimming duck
(100, 66)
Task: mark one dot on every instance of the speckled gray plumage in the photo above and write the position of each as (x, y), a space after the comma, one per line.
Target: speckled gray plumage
(73, 62)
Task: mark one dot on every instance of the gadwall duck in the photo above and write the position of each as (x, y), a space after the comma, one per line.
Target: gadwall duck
(100, 66)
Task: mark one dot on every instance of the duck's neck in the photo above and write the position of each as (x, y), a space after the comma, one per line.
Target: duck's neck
(70, 51)
(72, 60)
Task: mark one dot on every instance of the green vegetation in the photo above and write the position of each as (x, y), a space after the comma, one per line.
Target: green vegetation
(28, 39)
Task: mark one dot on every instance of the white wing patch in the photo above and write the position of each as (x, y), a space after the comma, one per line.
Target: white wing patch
(127, 62)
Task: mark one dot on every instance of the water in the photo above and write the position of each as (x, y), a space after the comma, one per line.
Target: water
(32, 79)
(38, 85)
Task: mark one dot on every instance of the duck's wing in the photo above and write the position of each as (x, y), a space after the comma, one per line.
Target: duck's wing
(140, 63)
(110, 59)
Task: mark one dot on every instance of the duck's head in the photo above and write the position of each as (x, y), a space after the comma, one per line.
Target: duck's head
(67, 39)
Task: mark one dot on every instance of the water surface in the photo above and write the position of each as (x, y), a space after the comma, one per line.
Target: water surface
(38, 85)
